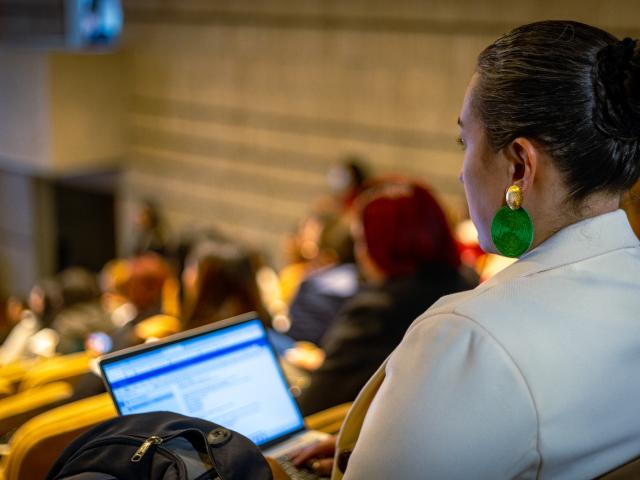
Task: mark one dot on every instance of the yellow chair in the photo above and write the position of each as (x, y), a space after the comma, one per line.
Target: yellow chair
(329, 420)
(171, 297)
(12, 373)
(158, 326)
(18, 408)
(65, 367)
(36, 445)
(6, 387)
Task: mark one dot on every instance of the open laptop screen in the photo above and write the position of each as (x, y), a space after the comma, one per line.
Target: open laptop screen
(229, 376)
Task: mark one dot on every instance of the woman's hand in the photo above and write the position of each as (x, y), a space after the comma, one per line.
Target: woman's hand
(317, 457)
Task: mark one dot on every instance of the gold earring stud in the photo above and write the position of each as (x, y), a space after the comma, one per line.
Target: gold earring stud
(514, 197)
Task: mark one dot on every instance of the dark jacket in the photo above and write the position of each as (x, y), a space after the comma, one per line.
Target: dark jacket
(368, 328)
(319, 299)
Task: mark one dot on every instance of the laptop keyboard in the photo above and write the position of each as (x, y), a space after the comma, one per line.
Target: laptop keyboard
(296, 473)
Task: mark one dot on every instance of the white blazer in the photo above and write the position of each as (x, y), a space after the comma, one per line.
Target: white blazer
(534, 374)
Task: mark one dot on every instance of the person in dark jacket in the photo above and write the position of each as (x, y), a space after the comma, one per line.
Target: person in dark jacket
(324, 291)
(409, 259)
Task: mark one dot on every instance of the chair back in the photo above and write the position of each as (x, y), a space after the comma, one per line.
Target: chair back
(20, 407)
(37, 444)
(66, 367)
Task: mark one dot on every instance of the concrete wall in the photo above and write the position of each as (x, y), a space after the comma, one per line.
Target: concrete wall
(61, 113)
(25, 232)
(237, 108)
(86, 114)
(24, 110)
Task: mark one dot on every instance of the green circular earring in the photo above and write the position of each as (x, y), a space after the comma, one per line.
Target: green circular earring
(512, 228)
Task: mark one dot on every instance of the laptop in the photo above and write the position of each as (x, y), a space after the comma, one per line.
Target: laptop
(226, 372)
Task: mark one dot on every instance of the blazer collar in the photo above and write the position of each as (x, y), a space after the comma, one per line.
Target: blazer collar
(587, 238)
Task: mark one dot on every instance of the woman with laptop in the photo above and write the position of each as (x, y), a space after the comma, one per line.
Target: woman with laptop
(534, 374)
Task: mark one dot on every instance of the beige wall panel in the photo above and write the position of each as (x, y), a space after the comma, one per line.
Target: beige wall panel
(87, 110)
(187, 208)
(225, 201)
(24, 133)
(237, 108)
(357, 77)
(17, 267)
(304, 166)
(620, 13)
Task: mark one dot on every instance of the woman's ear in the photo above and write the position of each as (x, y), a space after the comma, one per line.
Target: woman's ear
(524, 157)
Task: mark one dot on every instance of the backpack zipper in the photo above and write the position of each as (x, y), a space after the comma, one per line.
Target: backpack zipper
(153, 440)
(133, 438)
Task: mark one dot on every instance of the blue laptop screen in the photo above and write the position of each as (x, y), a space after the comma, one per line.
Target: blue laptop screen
(228, 376)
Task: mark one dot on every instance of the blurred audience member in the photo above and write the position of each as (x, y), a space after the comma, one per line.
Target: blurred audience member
(179, 247)
(44, 303)
(300, 253)
(81, 313)
(16, 345)
(303, 250)
(346, 179)
(147, 275)
(12, 309)
(143, 291)
(323, 292)
(219, 282)
(113, 280)
(408, 256)
(149, 229)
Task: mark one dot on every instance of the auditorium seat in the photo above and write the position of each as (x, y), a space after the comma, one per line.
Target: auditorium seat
(36, 445)
(329, 420)
(12, 373)
(20, 407)
(65, 367)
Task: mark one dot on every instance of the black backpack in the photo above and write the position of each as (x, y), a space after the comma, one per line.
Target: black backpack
(160, 446)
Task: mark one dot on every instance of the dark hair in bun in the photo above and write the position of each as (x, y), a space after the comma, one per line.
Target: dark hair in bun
(617, 109)
(573, 88)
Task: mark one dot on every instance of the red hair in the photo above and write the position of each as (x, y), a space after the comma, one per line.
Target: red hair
(405, 228)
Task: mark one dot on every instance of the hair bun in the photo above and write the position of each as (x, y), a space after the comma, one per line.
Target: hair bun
(617, 91)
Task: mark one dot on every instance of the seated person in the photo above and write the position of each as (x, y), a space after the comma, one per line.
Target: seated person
(325, 290)
(44, 303)
(533, 374)
(409, 259)
(11, 310)
(81, 313)
(219, 281)
(143, 292)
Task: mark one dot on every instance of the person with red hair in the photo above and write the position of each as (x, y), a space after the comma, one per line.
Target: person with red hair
(402, 228)
(408, 258)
